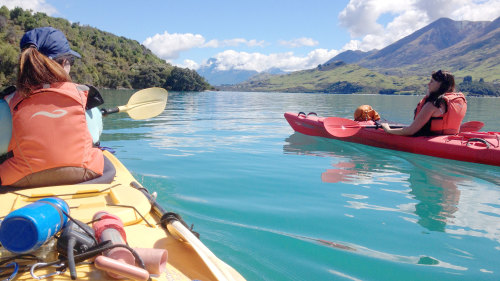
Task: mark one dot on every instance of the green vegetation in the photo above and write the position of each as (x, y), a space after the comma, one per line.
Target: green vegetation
(354, 79)
(341, 79)
(108, 61)
(478, 88)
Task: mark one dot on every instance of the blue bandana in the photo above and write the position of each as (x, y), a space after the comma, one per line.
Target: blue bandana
(48, 41)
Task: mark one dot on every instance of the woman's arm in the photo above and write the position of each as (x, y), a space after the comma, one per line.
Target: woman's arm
(428, 110)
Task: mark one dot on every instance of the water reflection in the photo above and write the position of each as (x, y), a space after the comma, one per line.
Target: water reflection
(437, 193)
(451, 196)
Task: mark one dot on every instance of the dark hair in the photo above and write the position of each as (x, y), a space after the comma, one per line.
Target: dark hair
(447, 85)
(35, 69)
(70, 58)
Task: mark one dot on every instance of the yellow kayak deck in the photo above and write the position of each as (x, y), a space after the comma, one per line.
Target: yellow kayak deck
(188, 258)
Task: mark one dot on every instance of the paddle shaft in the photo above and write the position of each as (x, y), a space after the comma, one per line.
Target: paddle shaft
(463, 128)
(378, 126)
(470, 126)
(212, 262)
(109, 111)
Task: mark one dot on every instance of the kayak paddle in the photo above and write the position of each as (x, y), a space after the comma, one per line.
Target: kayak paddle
(471, 126)
(144, 104)
(176, 226)
(343, 127)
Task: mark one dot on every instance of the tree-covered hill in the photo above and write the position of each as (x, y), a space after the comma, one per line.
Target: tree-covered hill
(108, 61)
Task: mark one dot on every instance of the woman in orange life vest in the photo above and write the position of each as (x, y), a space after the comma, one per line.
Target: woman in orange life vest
(440, 112)
(50, 144)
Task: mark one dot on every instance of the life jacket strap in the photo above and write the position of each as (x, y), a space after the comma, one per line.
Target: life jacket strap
(7, 91)
(6, 156)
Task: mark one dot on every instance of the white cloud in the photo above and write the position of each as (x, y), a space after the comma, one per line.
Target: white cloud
(168, 46)
(231, 59)
(34, 5)
(191, 64)
(299, 42)
(361, 18)
(477, 10)
(233, 43)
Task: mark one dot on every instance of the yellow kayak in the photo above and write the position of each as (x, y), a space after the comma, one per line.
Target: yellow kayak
(187, 257)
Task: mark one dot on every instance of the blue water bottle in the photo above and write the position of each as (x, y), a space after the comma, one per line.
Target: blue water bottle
(26, 229)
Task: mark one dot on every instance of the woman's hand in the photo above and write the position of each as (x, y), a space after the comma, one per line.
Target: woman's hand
(385, 126)
(395, 131)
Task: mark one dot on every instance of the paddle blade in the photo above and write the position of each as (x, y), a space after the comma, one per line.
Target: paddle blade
(146, 103)
(341, 127)
(471, 126)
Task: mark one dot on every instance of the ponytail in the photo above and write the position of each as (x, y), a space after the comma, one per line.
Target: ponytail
(35, 69)
(447, 85)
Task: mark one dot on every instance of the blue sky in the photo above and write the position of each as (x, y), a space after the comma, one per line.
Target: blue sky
(260, 34)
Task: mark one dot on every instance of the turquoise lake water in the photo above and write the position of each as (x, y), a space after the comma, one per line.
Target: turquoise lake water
(279, 205)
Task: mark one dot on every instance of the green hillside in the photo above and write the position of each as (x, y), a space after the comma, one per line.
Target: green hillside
(337, 78)
(341, 78)
(108, 61)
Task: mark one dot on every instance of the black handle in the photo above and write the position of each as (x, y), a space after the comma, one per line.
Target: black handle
(109, 111)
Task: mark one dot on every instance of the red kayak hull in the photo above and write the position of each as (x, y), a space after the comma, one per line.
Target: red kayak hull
(476, 147)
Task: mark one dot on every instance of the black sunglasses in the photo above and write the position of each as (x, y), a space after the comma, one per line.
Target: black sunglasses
(439, 75)
(70, 59)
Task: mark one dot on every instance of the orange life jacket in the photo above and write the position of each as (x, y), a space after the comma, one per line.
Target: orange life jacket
(449, 122)
(49, 131)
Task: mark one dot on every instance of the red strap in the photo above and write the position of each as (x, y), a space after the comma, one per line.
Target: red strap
(109, 221)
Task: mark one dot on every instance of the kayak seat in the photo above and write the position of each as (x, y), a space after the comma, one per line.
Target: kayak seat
(108, 174)
(107, 177)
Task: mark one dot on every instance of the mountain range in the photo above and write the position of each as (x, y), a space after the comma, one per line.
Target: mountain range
(213, 73)
(215, 76)
(466, 48)
(455, 45)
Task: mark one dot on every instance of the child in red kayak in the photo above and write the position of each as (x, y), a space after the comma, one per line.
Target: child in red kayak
(440, 112)
(50, 144)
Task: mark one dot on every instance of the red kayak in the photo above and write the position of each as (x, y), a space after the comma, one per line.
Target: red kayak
(469, 146)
